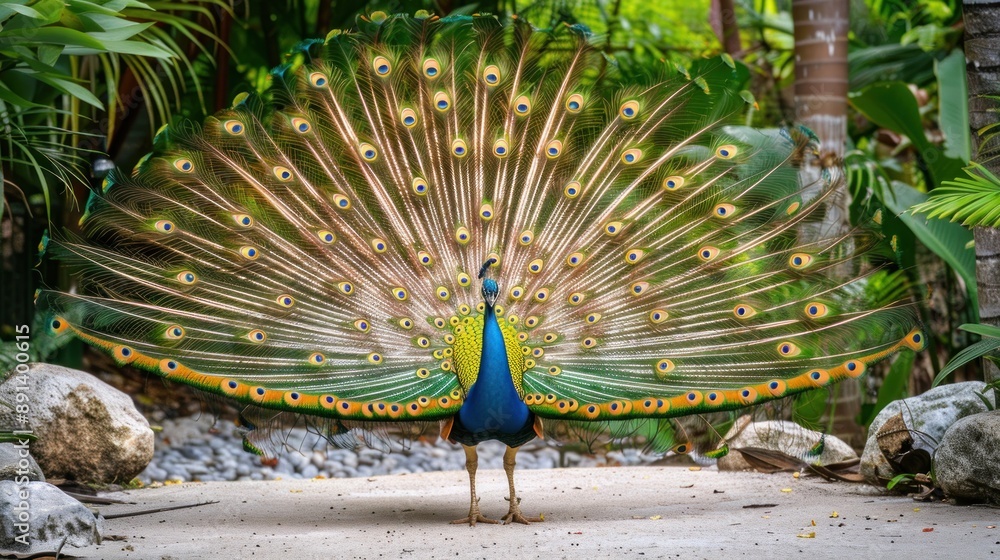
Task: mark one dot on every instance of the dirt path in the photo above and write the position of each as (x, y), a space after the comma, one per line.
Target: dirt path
(647, 512)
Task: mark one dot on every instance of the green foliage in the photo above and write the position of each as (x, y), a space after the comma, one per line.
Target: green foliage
(989, 344)
(61, 63)
(973, 200)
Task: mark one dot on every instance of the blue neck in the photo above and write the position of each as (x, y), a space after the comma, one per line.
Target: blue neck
(493, 404)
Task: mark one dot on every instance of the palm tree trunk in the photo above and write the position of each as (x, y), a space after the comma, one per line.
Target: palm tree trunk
(982, 58)
(722, 17)
(821, 83)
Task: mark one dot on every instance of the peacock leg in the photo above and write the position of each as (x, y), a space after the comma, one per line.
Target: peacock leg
(471, 463)
(514, 514)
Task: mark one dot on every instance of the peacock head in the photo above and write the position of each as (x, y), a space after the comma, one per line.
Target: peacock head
(491, 290)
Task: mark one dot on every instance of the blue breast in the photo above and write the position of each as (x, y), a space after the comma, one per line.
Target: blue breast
(493, 404)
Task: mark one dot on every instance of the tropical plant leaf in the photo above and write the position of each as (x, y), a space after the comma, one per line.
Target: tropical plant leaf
(973, 200)
(953, 105)
(989, 344)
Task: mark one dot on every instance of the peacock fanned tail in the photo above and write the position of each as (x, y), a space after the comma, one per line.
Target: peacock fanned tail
(316, 250)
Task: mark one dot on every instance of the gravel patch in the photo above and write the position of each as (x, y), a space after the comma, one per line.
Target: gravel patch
(192, 449)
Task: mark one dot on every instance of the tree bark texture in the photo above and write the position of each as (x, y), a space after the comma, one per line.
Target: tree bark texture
(982, 56)
(821, 83)
(722, 17)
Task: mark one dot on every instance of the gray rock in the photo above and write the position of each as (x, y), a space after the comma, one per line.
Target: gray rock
(786, 437)
(16, 462)
(904, 435)
(38, 517)
(87, 430)
(967, 461)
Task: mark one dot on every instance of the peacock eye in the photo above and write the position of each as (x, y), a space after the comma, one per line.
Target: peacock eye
(500, 148)
(234, 127)
(459, 148)
(368, 152)
(431, 68)
(300, 125)
(673, 182)
(409, 117)
(419, 186)
(249, 253)
(317, 80)
(631, 156)
(491, 75)
(553, 149)
(574, 103)
(629, 110)
(441, 101)
(522, 105)
(725, 152)
(382, 66)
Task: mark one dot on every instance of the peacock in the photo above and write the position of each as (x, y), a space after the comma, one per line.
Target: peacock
(484, 228)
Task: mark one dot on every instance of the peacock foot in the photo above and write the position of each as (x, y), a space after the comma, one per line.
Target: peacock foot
(474, 517)
(514, 515)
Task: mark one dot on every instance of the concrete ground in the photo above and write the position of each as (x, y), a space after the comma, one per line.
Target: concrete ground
(631, 512)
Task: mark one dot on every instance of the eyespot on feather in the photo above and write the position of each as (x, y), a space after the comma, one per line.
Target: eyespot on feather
(257, 336)
(816, 310)
(724, 210)
(491, 75)
(326, 236)
(441, 101)
(234, 127)
(318, 80)
(408, 117)
(657, 316)
(574, 103)
(382, 66)
(673, 182)
(788, 350)
(631, 156)
(799, 261)
(249, 253)
(639, 288)
(301, 125)
(726, 151)
(164, 226)
(285, 300)
(522, 105)
(501, 148)
(368, 152)
(553, 149)
(341, 202)
(708, 253)
(419, 186)
(459, 148)
(633, 256)
(462, 235)
(174, 332)
(282, 173)
(742, 311)
(431, 68)
(629, 110)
